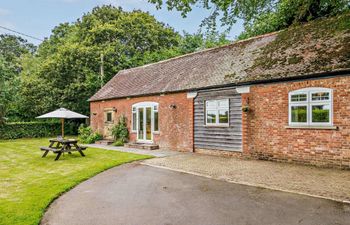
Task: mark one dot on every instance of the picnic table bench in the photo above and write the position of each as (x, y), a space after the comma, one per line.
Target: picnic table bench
(60, 146)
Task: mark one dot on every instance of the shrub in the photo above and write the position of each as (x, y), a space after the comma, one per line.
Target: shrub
(118, 143)
(120, 131)
(87, 136)
(35, 129)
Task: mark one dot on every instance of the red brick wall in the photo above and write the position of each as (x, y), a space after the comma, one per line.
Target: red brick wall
(175, 125)
(265, 135)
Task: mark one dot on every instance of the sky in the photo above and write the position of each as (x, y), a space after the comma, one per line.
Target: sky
(38, 17)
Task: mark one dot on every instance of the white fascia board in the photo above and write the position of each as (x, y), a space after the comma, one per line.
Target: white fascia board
(191, 94)
(243, 89)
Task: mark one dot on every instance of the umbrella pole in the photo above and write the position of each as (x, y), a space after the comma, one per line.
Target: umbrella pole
(62, 124)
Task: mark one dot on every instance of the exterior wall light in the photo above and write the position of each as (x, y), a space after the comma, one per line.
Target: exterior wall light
(172, 106)
(245, 108)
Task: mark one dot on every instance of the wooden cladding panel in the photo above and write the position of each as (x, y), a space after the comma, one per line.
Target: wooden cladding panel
(227, 138)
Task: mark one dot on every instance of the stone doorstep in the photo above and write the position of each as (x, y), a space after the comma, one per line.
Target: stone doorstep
(104, 142)
(142, 146)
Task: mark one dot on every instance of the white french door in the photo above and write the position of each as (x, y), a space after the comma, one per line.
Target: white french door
(144, 124)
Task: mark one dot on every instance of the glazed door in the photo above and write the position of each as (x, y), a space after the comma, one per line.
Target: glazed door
(108, 124)
(144, 126)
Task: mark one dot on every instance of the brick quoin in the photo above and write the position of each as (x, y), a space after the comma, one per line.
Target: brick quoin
(175, 125)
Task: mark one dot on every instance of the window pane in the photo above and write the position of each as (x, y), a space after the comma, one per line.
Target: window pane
(134, 122)
(299, 114)
(155, 108)
(320, 113)
(148, 123)
(223, 103)
(134, 109)
(156, 128)
(299, 98)
(141, 126)
(319, 96)
(211, 104)
(223, 116)
(109, 117)
(211, 116)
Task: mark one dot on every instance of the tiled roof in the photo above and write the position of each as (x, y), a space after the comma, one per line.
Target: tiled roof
(317, 47)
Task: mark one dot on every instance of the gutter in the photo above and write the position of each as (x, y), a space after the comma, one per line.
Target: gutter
(344, 72)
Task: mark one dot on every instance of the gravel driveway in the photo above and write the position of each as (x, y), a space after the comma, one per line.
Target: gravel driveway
(327, 183)
(136, 194)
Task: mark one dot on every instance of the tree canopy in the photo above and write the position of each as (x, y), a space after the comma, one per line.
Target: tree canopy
(259, 16)
(66, 68)
(12, 51)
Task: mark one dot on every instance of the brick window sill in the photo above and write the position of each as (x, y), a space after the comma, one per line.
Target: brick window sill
(313, 127)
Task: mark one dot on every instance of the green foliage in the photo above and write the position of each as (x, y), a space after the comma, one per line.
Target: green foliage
(291, 12)
(2, 114)
(261, 16)
(120, 131)
(320, 115)
(87, 136)
(30, 183)
(118, 143)
(227, 10)
(65, 71)
(195, 42)
(35, 129)
(12, 51)
(299, 115)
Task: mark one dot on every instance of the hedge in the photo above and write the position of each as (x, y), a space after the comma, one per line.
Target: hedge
(35, 129)
(318, 115)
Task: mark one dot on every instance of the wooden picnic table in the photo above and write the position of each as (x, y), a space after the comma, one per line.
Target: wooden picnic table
(60, 146)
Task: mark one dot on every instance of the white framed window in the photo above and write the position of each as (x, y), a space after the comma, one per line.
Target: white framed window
(217, 112)
(311, 107)
(155, 119)
(134, 119)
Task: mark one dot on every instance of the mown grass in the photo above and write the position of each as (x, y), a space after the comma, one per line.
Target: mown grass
(28, 183)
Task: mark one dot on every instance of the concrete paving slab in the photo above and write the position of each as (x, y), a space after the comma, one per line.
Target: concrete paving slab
(156, 153)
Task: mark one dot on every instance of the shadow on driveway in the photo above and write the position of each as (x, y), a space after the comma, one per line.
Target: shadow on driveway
(135, 194)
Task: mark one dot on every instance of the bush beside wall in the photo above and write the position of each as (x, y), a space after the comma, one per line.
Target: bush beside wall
(35, 129)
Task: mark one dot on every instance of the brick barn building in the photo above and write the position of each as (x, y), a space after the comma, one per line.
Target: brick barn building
(283, 96)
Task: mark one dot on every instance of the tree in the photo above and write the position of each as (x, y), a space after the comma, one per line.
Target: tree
(65, 71)
(259, 16)
(12, 50)
(195, 42)
(290, 12)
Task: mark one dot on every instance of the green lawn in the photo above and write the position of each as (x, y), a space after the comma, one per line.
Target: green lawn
(28, 183)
